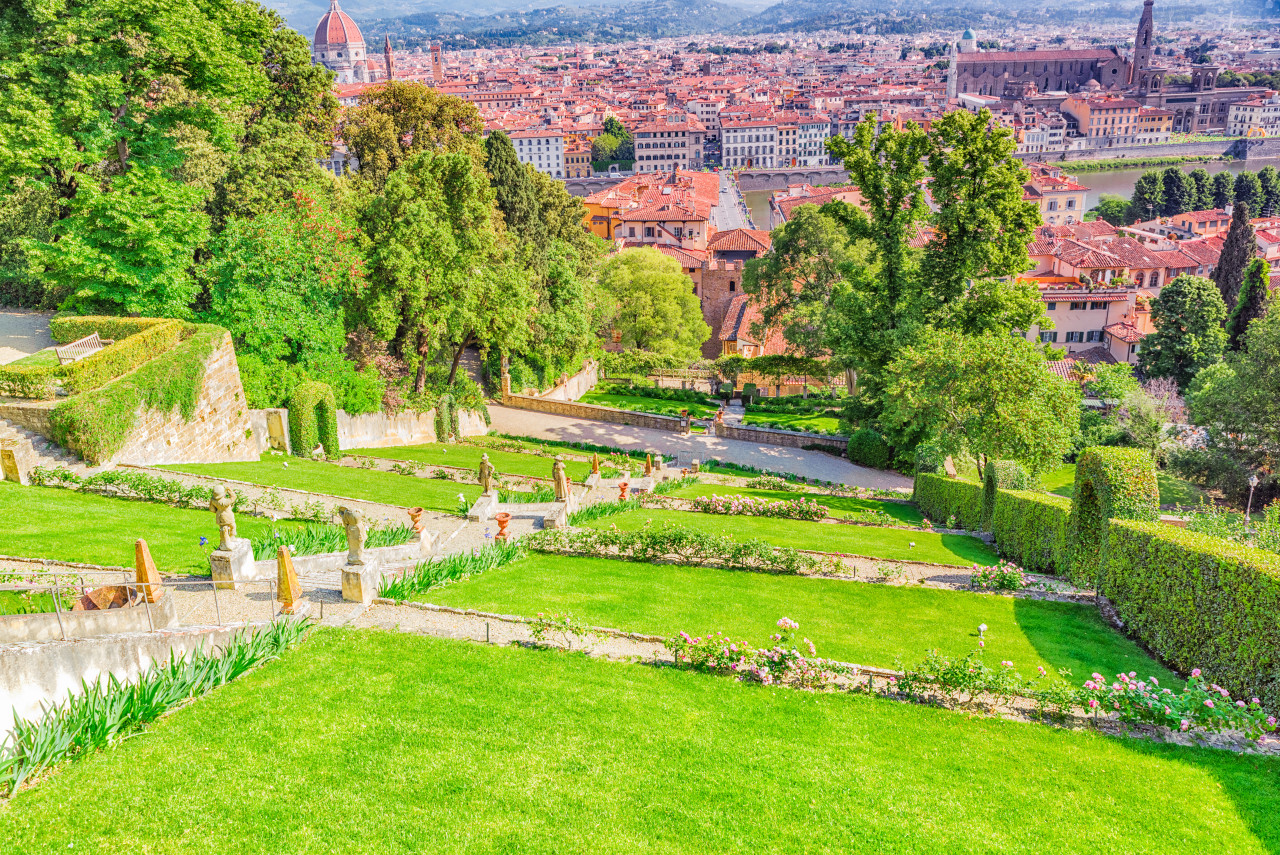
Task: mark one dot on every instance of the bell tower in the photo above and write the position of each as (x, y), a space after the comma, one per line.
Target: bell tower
(1143, 44)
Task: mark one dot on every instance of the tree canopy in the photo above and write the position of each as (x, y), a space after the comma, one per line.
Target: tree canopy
(651, 304)
(1188, 318)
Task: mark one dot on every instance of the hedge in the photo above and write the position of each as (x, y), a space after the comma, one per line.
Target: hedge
(868, 448)
(313, 419)
(446, 418)
(72, 327)
(1111, 484)
(95, 424)
(1031, 529)
(1199, 602)
(940, 498)
(142, 339)
(998, 475)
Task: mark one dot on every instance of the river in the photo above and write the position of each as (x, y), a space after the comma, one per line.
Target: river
(1118, 182)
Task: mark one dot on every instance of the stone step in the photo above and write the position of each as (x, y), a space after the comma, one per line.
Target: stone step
(37, 450)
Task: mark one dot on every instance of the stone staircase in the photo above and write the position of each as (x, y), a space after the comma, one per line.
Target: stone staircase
(36, 450)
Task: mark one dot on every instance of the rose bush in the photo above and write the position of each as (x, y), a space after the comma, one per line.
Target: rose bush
(797, 509)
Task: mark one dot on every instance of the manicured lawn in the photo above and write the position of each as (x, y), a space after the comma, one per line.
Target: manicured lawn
(795, 421)
(468, 457)
(40, 359)
(641, 404)
(850, 621)
(1173, 490)
(841, 506)
(362, 742)
(275, 470)
(49, 522)
(889, 543)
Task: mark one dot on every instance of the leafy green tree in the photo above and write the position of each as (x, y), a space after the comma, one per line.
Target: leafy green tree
(1224, 189)
(1269, 181)
(1203, 182)
(626, 146)
(652, 305)
(1240, 246)
(605, 147)
(1114, 209)
(396, 121)
(514, 193)
(1147, 201)
(1188, 317)
(988, 394)
(275, 159)
(1179, 192)
(1252, 303)
(27, 213)
(1249, 190)
(1111, 382)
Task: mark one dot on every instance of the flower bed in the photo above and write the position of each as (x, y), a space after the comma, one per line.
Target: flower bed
(798, 509)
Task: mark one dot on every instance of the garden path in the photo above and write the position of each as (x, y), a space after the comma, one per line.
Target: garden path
(23, 333)
(809, 464)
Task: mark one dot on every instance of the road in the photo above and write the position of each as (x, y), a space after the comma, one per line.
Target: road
(730, 211)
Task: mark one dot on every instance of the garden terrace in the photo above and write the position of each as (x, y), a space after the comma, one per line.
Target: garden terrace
(601, 756)
(811, 422)
(344, 481)
(467, 456)
(842, 507)
(1174, 491)
(866, 623)
(872, 541)
(653, 406)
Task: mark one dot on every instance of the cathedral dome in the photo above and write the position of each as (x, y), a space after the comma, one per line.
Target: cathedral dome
(336, 30)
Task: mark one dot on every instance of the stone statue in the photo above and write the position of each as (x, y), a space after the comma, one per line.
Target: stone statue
(561, 480)
(221, 504)
(595, 464)
(486, 475)
(357, 530)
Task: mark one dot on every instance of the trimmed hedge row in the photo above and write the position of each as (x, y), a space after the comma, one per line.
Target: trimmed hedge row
(72, 327)
(1000, 475)
(1199, 602)
(940, 498)
(95, 424)
(1031, 529)
(143, 340)
(868, 448)
(313, 419)
(1111, 484)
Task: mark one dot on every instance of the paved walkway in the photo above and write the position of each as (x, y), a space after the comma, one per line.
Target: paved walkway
(810, 464)
(23, 333)
(730, 211)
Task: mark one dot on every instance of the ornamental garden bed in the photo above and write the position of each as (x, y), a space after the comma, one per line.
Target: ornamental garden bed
(841, 506)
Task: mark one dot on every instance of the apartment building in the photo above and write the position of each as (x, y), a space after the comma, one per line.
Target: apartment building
(749, 143)
(1255, 117)
(1104, 120)
(543, 148)
(707, 111)
(1060, 199)
(667, 143)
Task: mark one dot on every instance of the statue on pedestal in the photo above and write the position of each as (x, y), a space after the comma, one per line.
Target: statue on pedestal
(221, 504)
(560, 479)
(357, 531)
(486, 475)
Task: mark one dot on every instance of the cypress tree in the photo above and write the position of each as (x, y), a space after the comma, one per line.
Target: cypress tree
(1203, 182)
(1148, 195)
(1224, 189)
(513, 189)
(1179, 192)
(1236, 252)
(1269, 179)
(1252, 304)
(1249, 190)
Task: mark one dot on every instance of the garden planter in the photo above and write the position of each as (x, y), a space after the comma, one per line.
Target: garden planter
(503, 519)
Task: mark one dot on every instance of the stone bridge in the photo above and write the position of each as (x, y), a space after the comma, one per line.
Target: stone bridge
(587, 186)
(778, 179)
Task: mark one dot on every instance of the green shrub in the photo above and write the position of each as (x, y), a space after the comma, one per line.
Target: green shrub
(313, 419)
(446, 421)
(750, 393)
(96, 423)
(941, 498)
(72, 327)
(930, 459)
(1000, 474)
(1031, 529)
(869, 448)
(1111, 484)
(1198, 602)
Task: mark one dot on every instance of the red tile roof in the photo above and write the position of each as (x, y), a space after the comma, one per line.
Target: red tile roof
(740, 240)
(1125, 331)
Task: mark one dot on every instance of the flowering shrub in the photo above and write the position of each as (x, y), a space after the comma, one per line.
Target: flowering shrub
(798, 509)
(563, 627)
(1005, 576)
(1198, 706)
(770, 482)
(782, 663)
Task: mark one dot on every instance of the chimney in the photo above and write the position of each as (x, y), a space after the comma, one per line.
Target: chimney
(1228, 208)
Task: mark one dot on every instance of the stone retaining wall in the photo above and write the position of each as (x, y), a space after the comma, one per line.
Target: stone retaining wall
(786, 438)
(31, 416)
(573, 409)
(571, 388)
(47, 626)
(379, 430)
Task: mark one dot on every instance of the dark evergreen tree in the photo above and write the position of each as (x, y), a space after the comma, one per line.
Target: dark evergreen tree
(1236, 252)
(1224, 189)
(1249, 190)
(1179, 192)
(513, 189)
(1203, 182)
(1148, 196)
(1269, 179)
(1252, 303)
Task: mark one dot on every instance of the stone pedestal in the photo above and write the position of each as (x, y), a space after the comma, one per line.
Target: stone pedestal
(13, 463)
(227, 567)
(426, 541)
(360, 582)
(484, 508)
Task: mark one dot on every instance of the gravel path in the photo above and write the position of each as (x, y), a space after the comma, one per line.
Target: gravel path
(23, 333)
(809, 464)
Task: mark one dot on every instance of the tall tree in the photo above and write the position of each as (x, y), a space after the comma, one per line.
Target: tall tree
(1179, 192)
(1269, 181)
(1188, 317)
(1203, 182)
(652, 305)
(1113, 209)
(1224, 189)
(626, 146)
(1252, 303)
(1239, 246)
(1249, 190)
(1147, 201)
(514, 193)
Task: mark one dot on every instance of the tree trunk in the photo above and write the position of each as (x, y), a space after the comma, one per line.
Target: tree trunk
(457, 357)
(420, 381)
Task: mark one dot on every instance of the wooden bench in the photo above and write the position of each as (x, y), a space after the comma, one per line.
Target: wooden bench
(80, 348)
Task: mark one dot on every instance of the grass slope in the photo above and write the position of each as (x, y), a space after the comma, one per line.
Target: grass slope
(656, 406)
(468, 457)
(841, 506)
(795, 421)
(388, 743)
(1173, 490)
(888, 543)
(274, 470)
(849, 621)
(48, 522)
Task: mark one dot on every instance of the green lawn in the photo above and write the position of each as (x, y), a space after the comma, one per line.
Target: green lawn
(49, 522)
(275, 470)
(795, 421)
(850, 621)
(888, 543)
(468, 457)
(1173, 490)
(841, 506)
(40, 359)
(656, 406)
(360, 742)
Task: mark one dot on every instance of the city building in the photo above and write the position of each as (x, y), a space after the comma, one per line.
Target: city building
(671, 208)
(1060, 199)
(1259, 116)
(667, 142)
(339, 46)
(749, 143)
(542, 148)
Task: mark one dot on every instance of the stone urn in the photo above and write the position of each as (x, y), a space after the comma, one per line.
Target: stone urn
(685, 472)
(415, 516)
(503, 519)
(622, 491)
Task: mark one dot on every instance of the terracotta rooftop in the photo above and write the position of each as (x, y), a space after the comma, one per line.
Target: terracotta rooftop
(740, 240)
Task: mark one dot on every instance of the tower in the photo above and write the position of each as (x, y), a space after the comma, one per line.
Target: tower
(953, 73)
(389, 58)
(339, 46)
(1143, 46)
(437, 64)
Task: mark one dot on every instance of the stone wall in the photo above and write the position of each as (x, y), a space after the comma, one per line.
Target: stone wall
(576, 410)
(260, 424)
(571, 388)
(721, 282)
(778, 179)
(379, 430)
(786, 438)
(1233, 148)
(219, 431)
(32, 416)
(47, 626)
